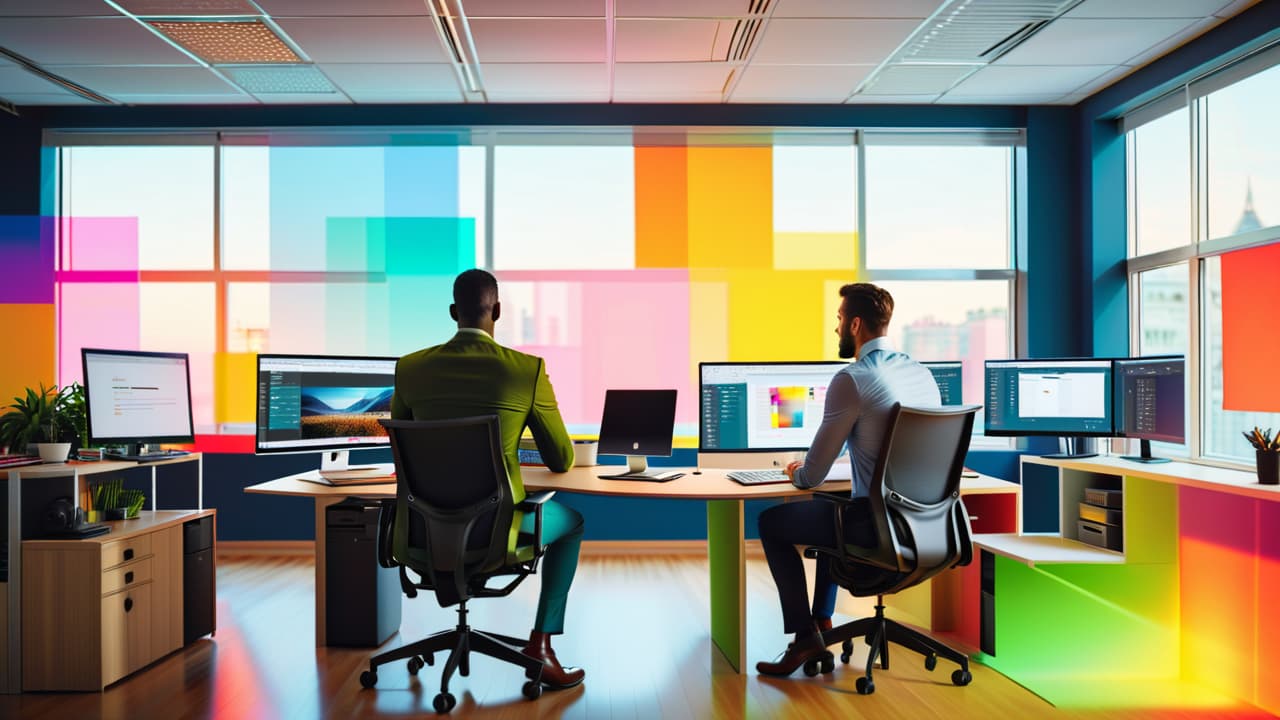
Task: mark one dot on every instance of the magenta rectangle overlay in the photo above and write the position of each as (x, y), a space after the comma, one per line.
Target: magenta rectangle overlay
(99, 243)
(96, 315)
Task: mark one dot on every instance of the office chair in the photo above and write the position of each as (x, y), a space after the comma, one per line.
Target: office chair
(451, 525)
(921, 528)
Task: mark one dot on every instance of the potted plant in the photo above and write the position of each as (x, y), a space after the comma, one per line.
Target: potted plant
(44, 417)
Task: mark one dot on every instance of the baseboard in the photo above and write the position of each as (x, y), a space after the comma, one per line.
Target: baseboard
(277, 548)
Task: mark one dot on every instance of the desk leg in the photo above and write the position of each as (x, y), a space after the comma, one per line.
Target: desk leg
(726, 556)
(11, 668)
(322, 503)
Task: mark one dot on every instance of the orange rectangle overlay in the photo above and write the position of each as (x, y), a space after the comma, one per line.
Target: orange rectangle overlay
(731, 207)
(662, 207)
(1249, 371)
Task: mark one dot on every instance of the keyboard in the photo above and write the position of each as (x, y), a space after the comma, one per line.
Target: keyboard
(147, 457)
(758, 477)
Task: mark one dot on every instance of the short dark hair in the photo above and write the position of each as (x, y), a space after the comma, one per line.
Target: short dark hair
(871, 303)
(475, 292)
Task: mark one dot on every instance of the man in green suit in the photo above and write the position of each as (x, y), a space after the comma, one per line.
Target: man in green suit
(473, 375)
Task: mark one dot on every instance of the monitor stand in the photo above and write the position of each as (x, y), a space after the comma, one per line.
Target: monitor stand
(1074, 448)
(336, 461)
(1145, 456)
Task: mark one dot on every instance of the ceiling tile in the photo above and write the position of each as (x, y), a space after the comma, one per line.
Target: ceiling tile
(1096, 84)
(1101, 42)
(341, 8)
(1146, 8)
(380, 79)
(560, 97)
(916, 79)
(88, 41)
(1186, 35)
(561, 79)
(188, 8)
(676, 78)
(367, 39)
(822, 83)
(237, 99)
(547, 41)
(16, 81)
(303, 99)
(892, 99)
(1234, 8)
(55, 8)
(148, 80)
(681, 8)
(1028, 80)
(1028, 99)
(542, 8)
(667, 40)
(668, 97)
(47, 99)
(389, 97)
(834, 42)
(919, 9)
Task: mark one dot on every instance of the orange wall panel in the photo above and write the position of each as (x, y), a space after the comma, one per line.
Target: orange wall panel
(662, 207)
(29, 358)
(1248, 329)
(730, 207)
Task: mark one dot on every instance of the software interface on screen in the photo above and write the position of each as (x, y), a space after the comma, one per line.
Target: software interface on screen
(1049, 397)
(137, 397)
(318, 402)
(1150, 399)
(950, 379)
(762, 407)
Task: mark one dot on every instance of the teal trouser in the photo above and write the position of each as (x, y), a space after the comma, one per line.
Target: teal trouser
(562, 534)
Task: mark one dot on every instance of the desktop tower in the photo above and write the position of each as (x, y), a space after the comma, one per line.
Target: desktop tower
(362, 599)
(197, 580)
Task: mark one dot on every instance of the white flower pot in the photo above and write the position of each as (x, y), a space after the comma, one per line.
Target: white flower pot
(53, 452)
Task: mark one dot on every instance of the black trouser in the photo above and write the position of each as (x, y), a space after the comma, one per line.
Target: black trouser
(806, 523)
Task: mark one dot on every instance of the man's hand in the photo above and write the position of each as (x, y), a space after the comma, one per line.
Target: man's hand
(791, 469)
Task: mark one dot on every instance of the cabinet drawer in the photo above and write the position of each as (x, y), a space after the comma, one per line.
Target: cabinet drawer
(126, 632)
(127, 575)
(123, 551)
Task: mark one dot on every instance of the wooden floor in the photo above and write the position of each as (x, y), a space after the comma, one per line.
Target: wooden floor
(638, 624)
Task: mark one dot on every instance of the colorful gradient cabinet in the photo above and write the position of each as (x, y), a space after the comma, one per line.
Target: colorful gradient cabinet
(1175, 619)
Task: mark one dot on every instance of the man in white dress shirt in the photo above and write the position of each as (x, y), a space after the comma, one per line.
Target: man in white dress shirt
(858, 402)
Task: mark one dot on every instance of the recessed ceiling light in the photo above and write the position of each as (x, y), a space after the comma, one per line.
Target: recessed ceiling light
(179, 8)
(232, 41)
(283, 79)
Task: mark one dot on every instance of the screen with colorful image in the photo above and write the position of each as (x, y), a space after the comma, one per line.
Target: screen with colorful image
(789, 403)
(762, 406)
(315, 403)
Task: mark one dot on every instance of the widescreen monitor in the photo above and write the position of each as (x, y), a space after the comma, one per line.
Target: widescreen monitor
(950, 378)
(760, 414)
(1068, 398)
(314, 403)
(1150, 402)
(135, 397)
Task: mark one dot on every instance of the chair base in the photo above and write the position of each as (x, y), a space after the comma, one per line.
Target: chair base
(879, 631)
(460, 642)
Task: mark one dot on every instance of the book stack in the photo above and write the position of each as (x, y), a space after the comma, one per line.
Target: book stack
(17, 460)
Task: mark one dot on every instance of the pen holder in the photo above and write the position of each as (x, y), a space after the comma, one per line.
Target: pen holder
(584, 452)
(1268, 467)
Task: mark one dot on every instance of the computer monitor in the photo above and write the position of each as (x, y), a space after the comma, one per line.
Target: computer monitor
(760, 415)
(1068, 398)
(137, 398)
(637, 423)
(950, 378)
(323, 403)
(1150, 402)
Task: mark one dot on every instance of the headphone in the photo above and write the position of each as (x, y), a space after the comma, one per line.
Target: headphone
(61, 515)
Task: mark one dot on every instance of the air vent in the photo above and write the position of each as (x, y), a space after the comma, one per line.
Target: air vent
(232, 41)
(455, 32)
(746, 31)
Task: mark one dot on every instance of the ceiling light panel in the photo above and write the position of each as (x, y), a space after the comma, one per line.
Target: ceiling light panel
(238, 42)
(188, 8)
(283, 79)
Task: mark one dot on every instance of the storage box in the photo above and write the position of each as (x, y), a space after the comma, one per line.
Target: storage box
(1100, 534)
(1105, 498)
(1100, 514)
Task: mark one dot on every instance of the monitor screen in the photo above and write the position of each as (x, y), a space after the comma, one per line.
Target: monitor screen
(637, 422)
(315, 402)
(137, 397)
(950, 378)
(765, 407)
(1150, 401)
(1049, 397)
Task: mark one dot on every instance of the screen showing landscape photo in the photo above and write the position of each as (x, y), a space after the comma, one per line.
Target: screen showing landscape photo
(329, 412)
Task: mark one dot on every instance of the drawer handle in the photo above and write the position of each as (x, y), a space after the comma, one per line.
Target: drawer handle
(128, 604)
(128, 577)
(128, 554)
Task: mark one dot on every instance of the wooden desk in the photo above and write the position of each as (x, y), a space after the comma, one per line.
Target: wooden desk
(726, 544)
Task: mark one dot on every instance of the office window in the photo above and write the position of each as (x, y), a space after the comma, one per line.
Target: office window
(1160, 177)
(938, 206)
(814, 206)
(1242, 178)
(1164, 322)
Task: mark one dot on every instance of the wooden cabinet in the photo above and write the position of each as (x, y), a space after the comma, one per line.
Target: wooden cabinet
(96, 610)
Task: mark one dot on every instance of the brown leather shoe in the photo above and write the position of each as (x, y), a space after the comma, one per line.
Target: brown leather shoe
(798, 653)
(554, 677)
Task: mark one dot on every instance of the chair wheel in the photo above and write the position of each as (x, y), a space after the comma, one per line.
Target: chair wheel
(828, 664)
(368, 679)
(844, 658)
(930, 662)
(532, 690)
(864, 686)
(415, 664)
(444, 702)
(961, 678)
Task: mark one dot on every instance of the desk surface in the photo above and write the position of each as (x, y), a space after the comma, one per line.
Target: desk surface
(1205, 477)
(711, 484)
(80, 467)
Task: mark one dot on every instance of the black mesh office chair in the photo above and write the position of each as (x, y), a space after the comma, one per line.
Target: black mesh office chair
(921, 528)
(450, 524)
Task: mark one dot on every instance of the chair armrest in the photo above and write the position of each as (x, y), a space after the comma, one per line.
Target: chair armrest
(536, 498)
(833, 497)
(533, 503)
(813, 552)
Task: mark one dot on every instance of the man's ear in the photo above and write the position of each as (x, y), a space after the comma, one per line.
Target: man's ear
(453, 312)
(497, 311)
(855, 326)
